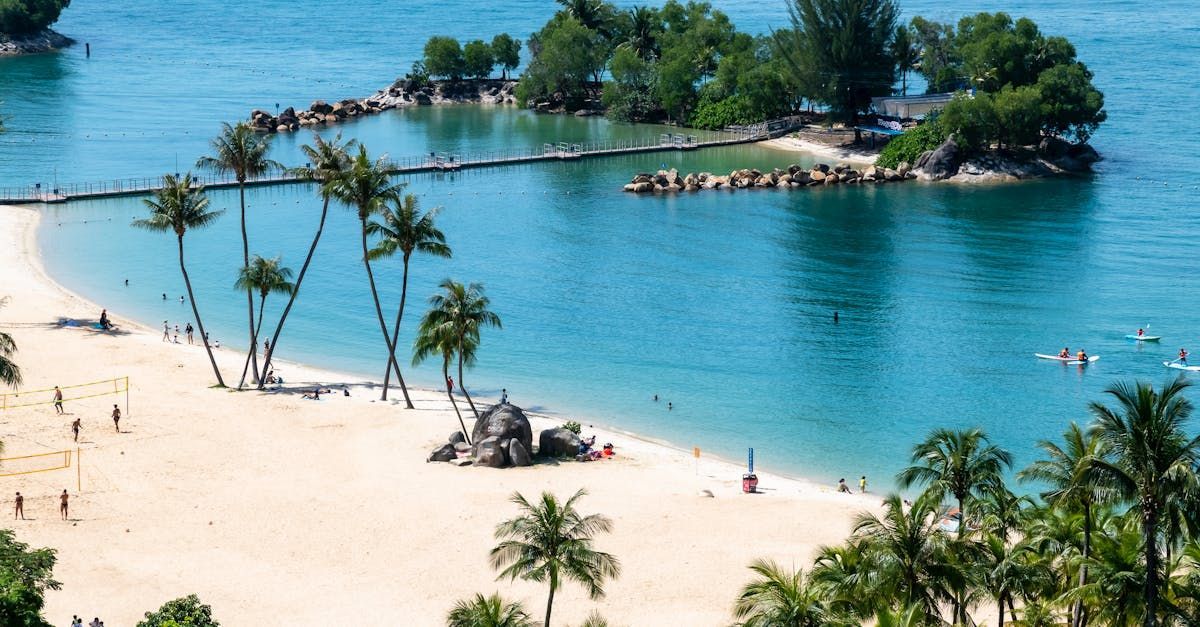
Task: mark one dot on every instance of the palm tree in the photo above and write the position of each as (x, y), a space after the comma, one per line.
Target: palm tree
(594, 619)
(592, 14)
(176, 207)
(264, 276)
(433, 338)
(906, 52)
(643, 26)
(1006, 574)
(1153, 463)
(904, 616)
(550, 541)
(782, 598)
(402, 228)
(10, 374)
(1116, 587)
(326, 161)
(243, 153)
(490, 611)
(461, 311)
(1071, 479)
(958, 463)
(846, 578)
(367, 187)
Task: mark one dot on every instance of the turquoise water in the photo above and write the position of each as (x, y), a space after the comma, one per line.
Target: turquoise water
(718, 302)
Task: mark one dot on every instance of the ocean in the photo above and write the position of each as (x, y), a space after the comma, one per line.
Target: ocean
(720, 303)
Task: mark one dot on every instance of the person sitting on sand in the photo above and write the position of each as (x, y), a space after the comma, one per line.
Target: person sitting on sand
(585, 449)
(314, 395)
(104, 321)
(1065, 353)
(608, 450)
(842, 487)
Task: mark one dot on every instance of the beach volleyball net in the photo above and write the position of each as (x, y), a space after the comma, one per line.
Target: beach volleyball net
(71, 393)
(41, 462)
(42, 467)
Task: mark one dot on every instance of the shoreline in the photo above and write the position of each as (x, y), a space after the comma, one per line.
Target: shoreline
(47, 40)
(849, 155)
(379, 452)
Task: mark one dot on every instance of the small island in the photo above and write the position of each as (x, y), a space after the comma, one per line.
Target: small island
(25, 26)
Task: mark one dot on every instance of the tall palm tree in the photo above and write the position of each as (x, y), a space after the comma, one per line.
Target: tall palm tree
(1153, 463)
(264, 276)
(239, 151)
(367, 188)
(904, 616)
(643, 27)
(847, 580)
(461, 311)
(177, 207)
(593, 14)
(402, 228)
(551, 541)
(438, 339)
(490, 611)
(10, 374)
(782, 598)
(907, 53)
(1116, 587)
(959, 463)
(1069, 474)
(327, 160)
(1006, 573)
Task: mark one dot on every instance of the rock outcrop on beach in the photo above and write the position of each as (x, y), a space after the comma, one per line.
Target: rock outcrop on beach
(795, 176)
(1053, 156)
(558, 442)
(502, 437)
(44, 41)
(402, 93)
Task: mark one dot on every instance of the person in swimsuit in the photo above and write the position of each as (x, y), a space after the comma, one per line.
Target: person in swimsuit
(1082, 356)
(58, 407)
(166, 332)
(75, 427)
(20, 507)
(63, 507)
(116, 416)
(1065, 353)
(1141, 333)
(1183, 356)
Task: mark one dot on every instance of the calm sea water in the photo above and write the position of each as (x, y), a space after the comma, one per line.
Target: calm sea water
(721, 303)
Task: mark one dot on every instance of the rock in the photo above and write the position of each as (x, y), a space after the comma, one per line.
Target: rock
(558, 442)
(282, 128)
(330, 118)
(423, 99)
(641, 178)
(443, 453)
(1083, 153)
(816, 176)
(903, 168)
(504, 422)
(457, 437)
(841, 167)
(628, 187)
(821, 167)
(462, 461)
(489, 452)
(849, 174)
(643, 187)
(321, 107)
(832, 178)
(705, 494)
(1053, 147)
(941, 163)
(462, 447)
(802, 177)
(892, 175)
(871, 173)
(518, 455)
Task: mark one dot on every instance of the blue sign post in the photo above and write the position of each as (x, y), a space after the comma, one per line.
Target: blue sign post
(750, 460)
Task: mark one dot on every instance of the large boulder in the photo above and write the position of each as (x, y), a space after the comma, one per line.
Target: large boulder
(518, 455)
(504, 422)
(489, 452)
(320, 106)
(558, 442)
(941, 163)
(443, 453)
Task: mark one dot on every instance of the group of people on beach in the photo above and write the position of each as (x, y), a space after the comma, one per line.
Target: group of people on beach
(188, 331)
(19, 506)
(77, 424)
(862, 485)
(78, 622)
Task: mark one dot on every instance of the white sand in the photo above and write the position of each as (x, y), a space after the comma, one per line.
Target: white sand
(848, 154)
(277, 510)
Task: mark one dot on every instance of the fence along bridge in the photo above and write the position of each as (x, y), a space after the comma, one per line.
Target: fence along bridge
(562, 151)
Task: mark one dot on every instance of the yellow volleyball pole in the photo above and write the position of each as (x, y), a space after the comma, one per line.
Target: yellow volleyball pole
(78, 472)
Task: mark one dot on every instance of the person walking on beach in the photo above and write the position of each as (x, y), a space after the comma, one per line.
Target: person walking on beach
(58, 407)
(449, 384)
(63, 507)
(116, 416)
(266, 350)
(75, 427)
(862, 484)
(166, 330)
(189, 332)
(19, 510)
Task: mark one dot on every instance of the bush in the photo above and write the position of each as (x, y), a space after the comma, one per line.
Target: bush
(444, 57)
(972, 120)
(478, 59)
(24, 17)
(912, 143)
(182, 612)
(573, 427)
(716, 115)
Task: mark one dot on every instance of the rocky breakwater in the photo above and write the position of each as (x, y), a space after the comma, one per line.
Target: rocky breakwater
(1051, 157)
(402, 93)
(795, 176)
(45, 41)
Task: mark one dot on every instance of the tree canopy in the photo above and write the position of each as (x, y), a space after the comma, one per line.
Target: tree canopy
(25, 575)
(444, 57)
(25, 17)
(182, 612)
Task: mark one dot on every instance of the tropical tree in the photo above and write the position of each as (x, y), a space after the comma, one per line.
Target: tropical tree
(904, 616)
(845, 576)
(508, 53)
(907, 54)
(1116, 586)
(641, 29)
(956, 463)
(366, 187)
(264, 277)
(24, 578)
(327, 160)
(438, 339)
(1153, 464)
(1068, 472)
(550, 541)
(460, 312)
(240, 151)
(782, 598)
(178, 206)
(10, 374)
(182, 612)
(1007, 573)
(593, 14)
(489, 611)
(402, 228)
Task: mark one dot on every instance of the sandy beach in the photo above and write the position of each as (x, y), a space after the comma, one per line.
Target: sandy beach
(278, 510)
(847, 154)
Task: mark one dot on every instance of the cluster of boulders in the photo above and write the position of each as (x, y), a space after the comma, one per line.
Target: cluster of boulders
(501, 438)
(793, 176)
(1053, 156)
(44, 41)
(402, 93)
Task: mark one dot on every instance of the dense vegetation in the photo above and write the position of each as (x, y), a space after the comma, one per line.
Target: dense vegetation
(182, 612)
(25, 575)
(25, 17)
(445, 58)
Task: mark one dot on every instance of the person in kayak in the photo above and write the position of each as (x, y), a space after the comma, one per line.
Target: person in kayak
(1065, 353)
(1082, 355)
(1141, 333)
(1183, 356)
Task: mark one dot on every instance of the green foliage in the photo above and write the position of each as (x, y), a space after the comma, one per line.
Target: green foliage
(1018, 115)
(25, 575)
(716, 115)
(907, 147)
(478, 59)
(907, 54)
(996, 51)
(565, 56)
(25, 17)
(848, 44)
(10, 373)
(781, 597)
(629, 96)
(182, 612)
(939, 60)
(1070, 105)
(507, 52)
(444, 57)
(972, 121)
(490, 611)
(573, 427)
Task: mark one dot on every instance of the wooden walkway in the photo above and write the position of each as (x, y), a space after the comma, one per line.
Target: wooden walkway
(40, 193)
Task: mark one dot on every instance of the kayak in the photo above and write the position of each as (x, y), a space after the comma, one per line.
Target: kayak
(1143, 338)
(1066, 360)
(1179, 366)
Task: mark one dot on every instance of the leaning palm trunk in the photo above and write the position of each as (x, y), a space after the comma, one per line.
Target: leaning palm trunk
(391, 348)
(253, 342)
(292, 298)
(196, 312)
(550, 599)
(249, 293)
(453, 403)
(392, 361)
(462, 386)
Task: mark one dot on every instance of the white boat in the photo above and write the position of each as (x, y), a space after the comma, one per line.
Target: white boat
(1178, 366)
(1143, 338)
(1066, 360)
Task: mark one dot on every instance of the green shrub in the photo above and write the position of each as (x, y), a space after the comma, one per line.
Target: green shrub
(912, 143)
(23, 17)
(716, 115)
(573, 427)
(182, 612)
